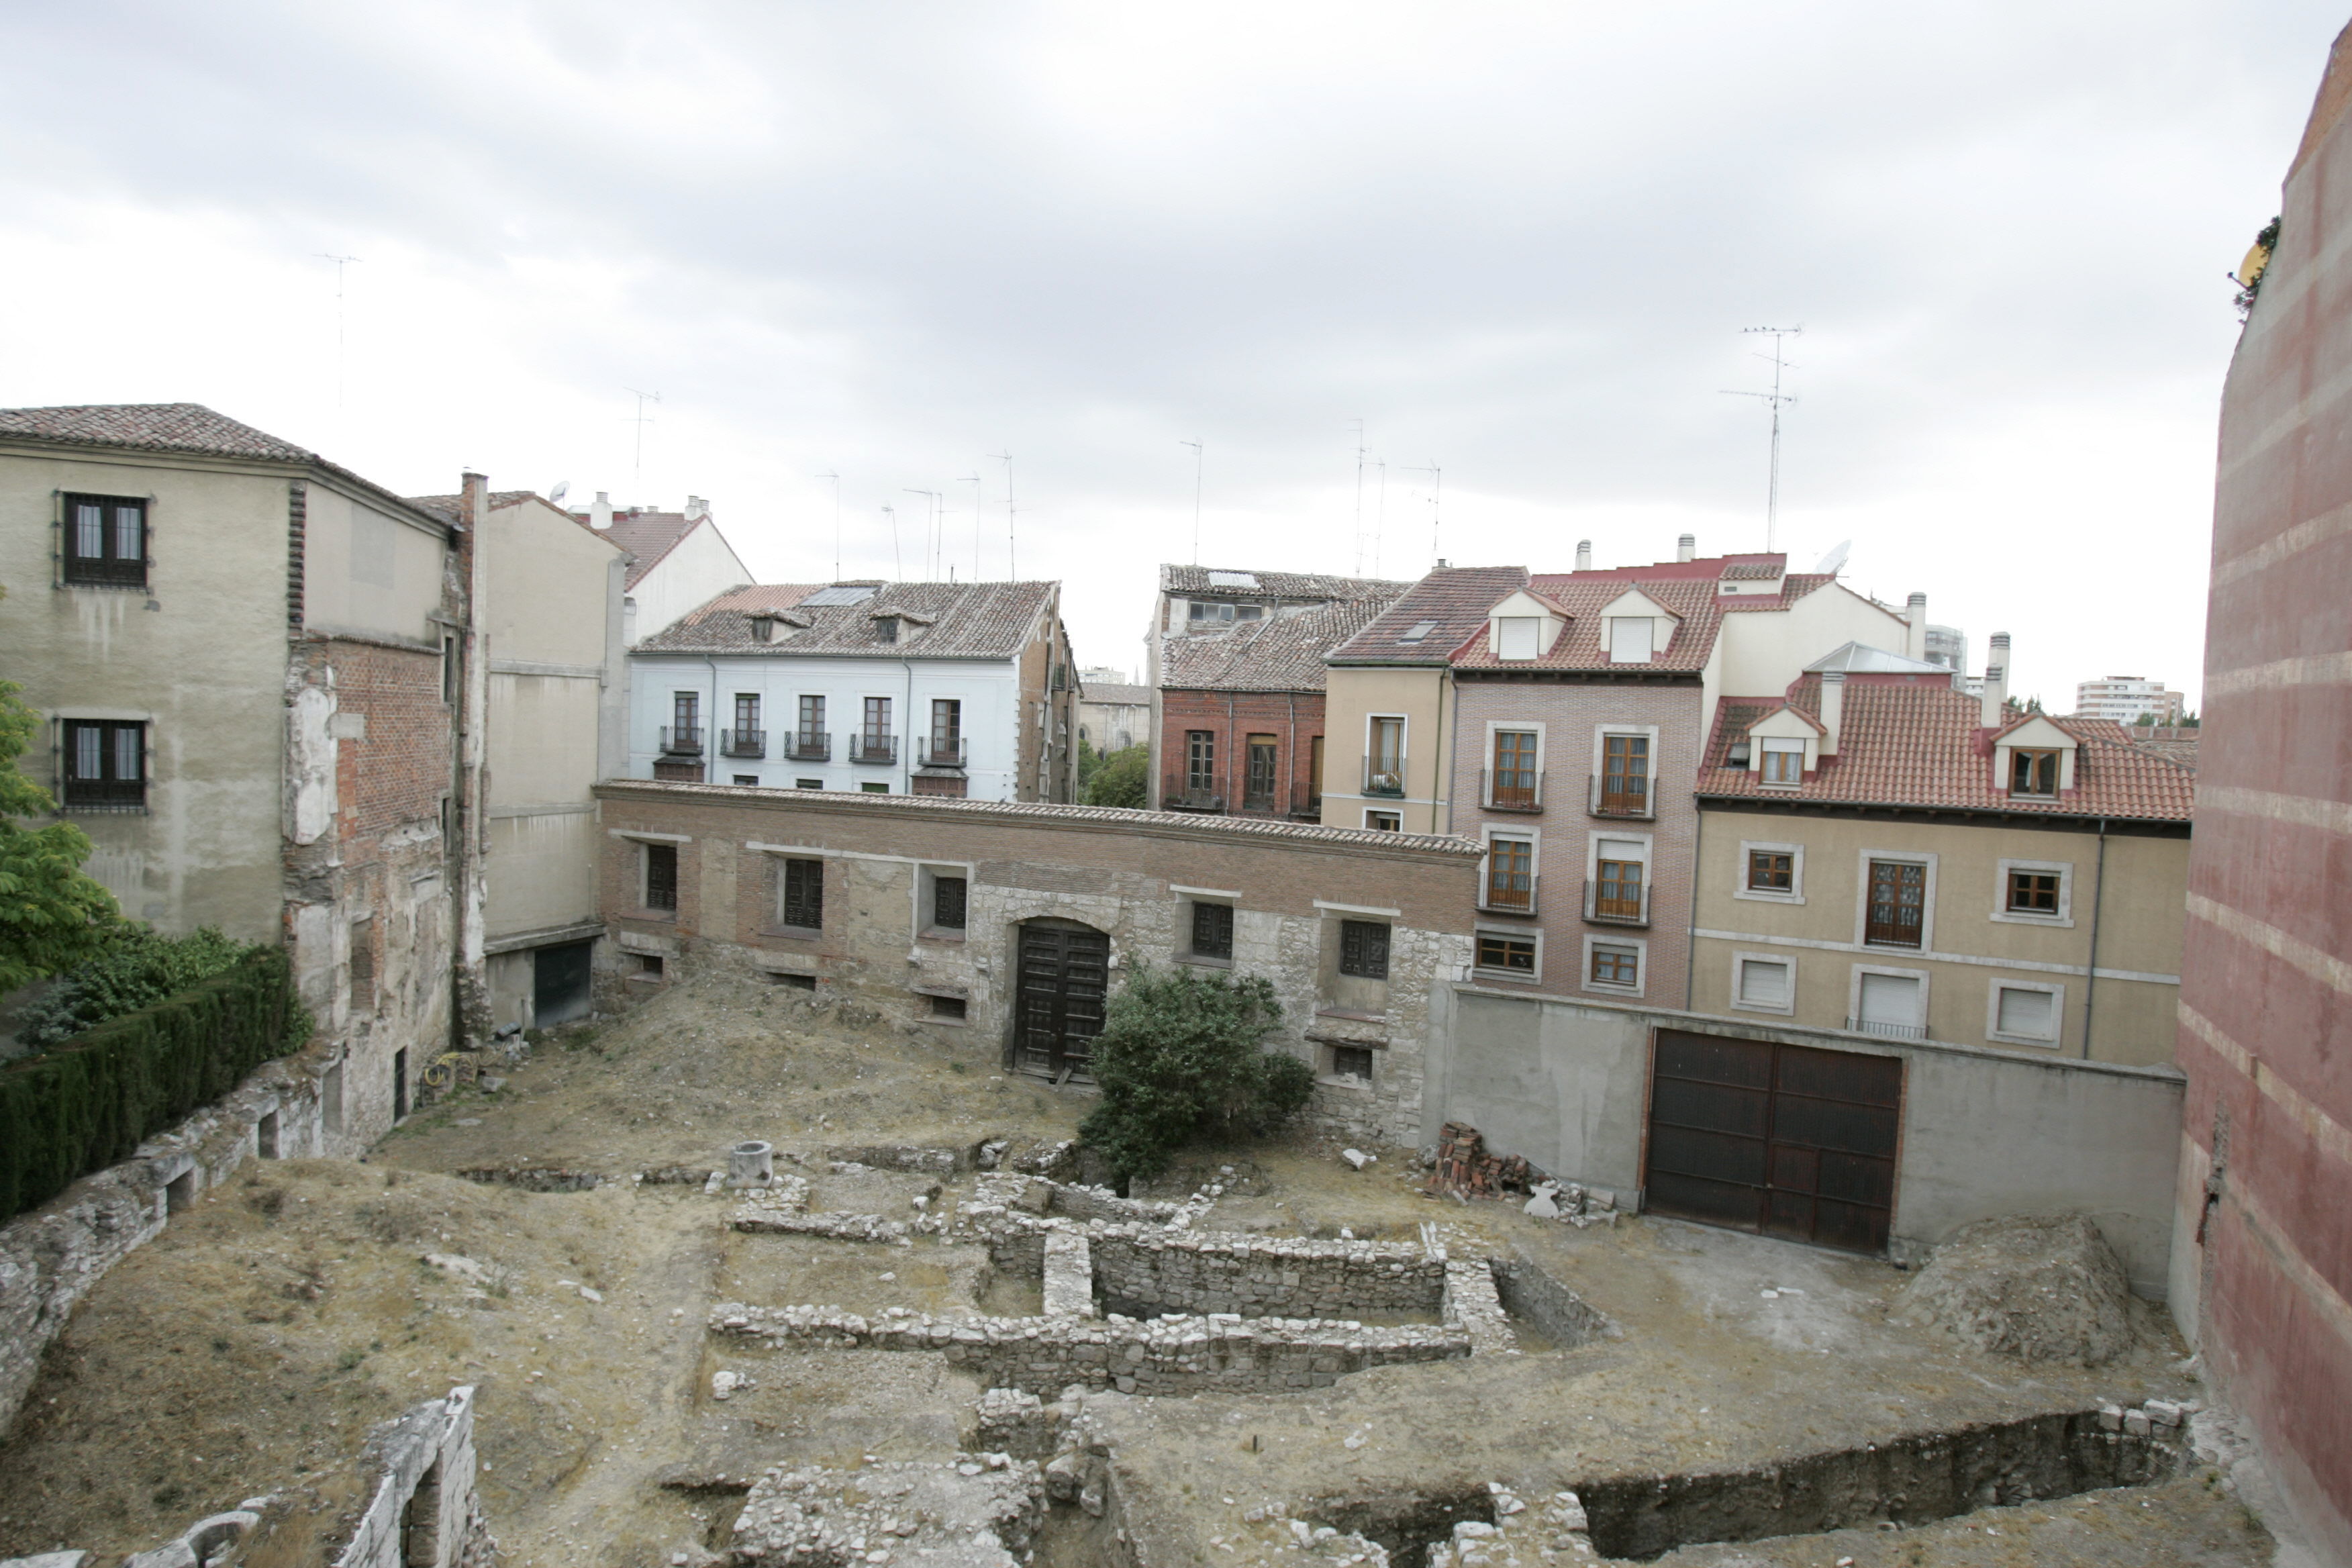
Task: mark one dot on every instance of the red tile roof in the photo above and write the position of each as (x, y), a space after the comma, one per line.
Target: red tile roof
(1920, 745)
(1454, 600)
(1280, 653)
(1199, 580)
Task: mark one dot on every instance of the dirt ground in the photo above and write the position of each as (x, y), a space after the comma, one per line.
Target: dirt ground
(248, 1349)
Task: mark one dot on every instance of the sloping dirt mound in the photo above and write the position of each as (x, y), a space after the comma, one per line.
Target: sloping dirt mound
(2038, 1289)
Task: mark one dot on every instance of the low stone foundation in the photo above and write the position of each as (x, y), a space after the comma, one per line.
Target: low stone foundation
(1473, 1308)
(1069, 1276)
(974, 1511)
(1147, 1270)
(424, 1511)
(1557, 1312)
(782, 1208)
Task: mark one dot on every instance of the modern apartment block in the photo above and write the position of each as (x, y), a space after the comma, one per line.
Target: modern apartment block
(2128, 699)
(962, 689)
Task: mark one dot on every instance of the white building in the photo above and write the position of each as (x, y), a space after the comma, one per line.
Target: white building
(2126, 699)
(681, 561)
(951, 689)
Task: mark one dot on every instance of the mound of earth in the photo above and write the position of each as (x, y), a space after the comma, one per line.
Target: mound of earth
(2041, 1289)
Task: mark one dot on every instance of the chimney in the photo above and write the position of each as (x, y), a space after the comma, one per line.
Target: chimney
(1584, 555)
(1685, 547)
(600, 514)
(696, 507)
(1832, 708)
(1914, 614)
(1996, 688)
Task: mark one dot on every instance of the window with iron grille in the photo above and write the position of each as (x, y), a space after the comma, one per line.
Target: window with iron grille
(2033, 892)
(804, 894)
(948, 903)
(1771, 871)
(1510, 874)
(661, 875)
(1617, 889)
(1626, 775)
(1261, 771)
(1615, 966)
(1514, 767)
(1353, 1061)
(1199, 761)
(105, 765)
(1364, 950)
(1899, 903)
(2033, 772)
(1212, 930)
(1509, 954)
(106, 540)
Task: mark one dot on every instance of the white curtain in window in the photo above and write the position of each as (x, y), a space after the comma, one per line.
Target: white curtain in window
(126, 533)
(89, 531)
(126, 752)
(1763, 982)
(87, 743)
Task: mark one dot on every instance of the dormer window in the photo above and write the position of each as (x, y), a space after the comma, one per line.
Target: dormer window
(885, 628)
(1782, 761)
(1518, 637)
(2033, 772)
(763, 628)
(1630, 639)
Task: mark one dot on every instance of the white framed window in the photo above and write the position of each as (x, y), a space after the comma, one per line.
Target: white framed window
(1384, 753)
(1615, 966)
(1773, 873)
(1617, 877)
(1507, 952)
(1625, 769)
(1631, 639)
(1780, 763)
(1507, 879)
(1518, 637)
(1903, 901)
(1512, 766)
(1384, 821)
(2034, 892)
(1764, 982)
(1888, 1002)
(942, 901)
(2025, 1012)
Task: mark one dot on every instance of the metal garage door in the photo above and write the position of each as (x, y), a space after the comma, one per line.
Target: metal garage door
(1064, 974)
(1781, 1139)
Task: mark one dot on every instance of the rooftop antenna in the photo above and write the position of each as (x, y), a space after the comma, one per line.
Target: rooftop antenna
(1379, 514)
(897, 566)
(973, 480)
(1197, 449)
(1436, 497)
(1773, 400)
(930, 505)
(1012, 560)
(643, 419)
(341, 262)
(836, 522)
(1360, 495)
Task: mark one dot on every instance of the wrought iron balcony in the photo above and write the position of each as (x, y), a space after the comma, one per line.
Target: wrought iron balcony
(743, 743)
(944, 753)
(1384, 777)
(1502, 895)
(1179, 792)
(682, 741)
(1307, 803)
(1511, 789)
(1617, 911)
(809, 746)
(1614, 795)
(865, 748)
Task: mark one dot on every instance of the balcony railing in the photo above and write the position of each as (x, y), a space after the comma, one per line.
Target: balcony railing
(743, 743)
(1523, 793)
(1887, 1031)
(944, 753)
(865, 748)
(1179, 792)
(1615, 910)
(1619, 796)
(1307, 803)
(1496, 895)
(681, 741)
(1384, 777)
(809, 746)
(106, 795)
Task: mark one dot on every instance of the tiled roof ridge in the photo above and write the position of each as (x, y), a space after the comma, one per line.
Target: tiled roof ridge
(1280, 653)
(967, 620)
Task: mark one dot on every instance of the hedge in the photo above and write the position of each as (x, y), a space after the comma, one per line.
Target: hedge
(88, 1103)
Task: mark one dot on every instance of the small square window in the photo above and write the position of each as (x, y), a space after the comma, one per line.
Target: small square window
(1771, 871)
(2033, 772)
(106, 540)
(1764, 982)
(948, 903)
(1507, 955)
(1213, 930)
(875, 788)
(650, 965)
(1615, 966)
(2028, 1014)
(747, 778)
(1353, 1061)
(808, 784)
(803, 901)
(2033, 892)
(661, 875)
(948, 1007)
(1384, 821)
(1364, 950)
(1784, 762)
(105, 765)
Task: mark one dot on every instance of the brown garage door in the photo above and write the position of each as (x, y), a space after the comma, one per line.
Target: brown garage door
(1782, 1139)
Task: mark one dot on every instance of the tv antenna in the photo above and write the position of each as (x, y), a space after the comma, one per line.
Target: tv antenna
(1360, 451)
(897, 564)
(1773, 400)
(836, 522)
(973, 480)
(1197, 450)
(930, 531)
(1012, 560)
(341, 262)
(643, 419)
(1380, 513)
(1436, 497)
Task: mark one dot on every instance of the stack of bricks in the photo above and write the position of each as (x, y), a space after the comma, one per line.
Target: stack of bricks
(1463, 1166)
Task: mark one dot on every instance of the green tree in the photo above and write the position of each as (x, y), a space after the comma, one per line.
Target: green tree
(1089, 762)
(1180, 1061)
(52, 916)
(1123, 778)
(138, 969)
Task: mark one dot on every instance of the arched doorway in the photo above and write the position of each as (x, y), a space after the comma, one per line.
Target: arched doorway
(1063, 976)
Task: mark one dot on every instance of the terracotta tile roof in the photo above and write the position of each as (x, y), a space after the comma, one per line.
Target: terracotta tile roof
(453, 506)
(647, 535)
(2171, 747)
(1281, 653)
(1582, 596)
(965, 620)
(1754, 571)
(1274, 584)
(1454, 601)
(1907, 744)
(1103, 693)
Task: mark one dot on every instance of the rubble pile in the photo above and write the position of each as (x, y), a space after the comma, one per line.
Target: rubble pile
(1464, 1167)
(976, 1511)
(1520, 1536)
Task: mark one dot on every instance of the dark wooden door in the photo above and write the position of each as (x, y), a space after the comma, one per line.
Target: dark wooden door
(1781, 1139)
(560, 978)
(1065, 974)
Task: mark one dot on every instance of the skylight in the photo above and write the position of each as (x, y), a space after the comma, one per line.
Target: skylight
(1232, 579)
(1417, 632)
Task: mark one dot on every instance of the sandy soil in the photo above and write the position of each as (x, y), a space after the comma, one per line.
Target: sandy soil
(249, 1348)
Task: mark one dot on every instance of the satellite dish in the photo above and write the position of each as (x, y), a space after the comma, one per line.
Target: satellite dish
(562, 489)
(1834, 561)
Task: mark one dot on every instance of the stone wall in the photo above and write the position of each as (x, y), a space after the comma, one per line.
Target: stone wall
(1144, 1271)
(423, 1512)
(1165, 1357)
(51, 1257)
(1134, 876)
(1559, 1313)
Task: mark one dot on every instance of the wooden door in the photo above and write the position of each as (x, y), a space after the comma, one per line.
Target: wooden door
(1065, 976)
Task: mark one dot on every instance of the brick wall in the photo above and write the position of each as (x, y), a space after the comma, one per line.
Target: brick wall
(1117, 872)
(1294, 718)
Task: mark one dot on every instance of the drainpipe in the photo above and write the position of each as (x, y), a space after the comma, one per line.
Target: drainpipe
(710, 724)
(907, 723)
(1439, 792)
(2098, 897)
(1290, 756)
(1690, 926)
(1229, 747)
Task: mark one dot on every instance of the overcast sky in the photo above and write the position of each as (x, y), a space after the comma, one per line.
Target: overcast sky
(1517, 243)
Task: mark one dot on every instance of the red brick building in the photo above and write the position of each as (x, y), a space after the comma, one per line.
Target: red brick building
(2263, 1266)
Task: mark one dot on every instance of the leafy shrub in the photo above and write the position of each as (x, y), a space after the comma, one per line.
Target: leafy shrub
(1123, 778)
(138, 969)
(1179, 1061)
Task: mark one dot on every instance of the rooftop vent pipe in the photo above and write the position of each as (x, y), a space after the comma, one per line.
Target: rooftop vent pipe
(1686, 547)
(1584, 555)
(1996, 686)
(600, 514)
(1914, 616)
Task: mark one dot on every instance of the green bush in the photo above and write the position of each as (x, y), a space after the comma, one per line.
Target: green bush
(1179, 1061)
(87, 1104)
(138, 970)
(1121, 778)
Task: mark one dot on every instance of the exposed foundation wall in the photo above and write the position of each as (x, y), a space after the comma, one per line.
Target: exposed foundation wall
(1126, 873)
(1142, 1270)
(423, 1511)
(1984, 1133)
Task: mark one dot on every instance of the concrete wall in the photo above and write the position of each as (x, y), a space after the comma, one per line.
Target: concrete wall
(2129, 896)
(1352, 696)
(1985, 1133)
(1133, 875)
(698, 569)
(370, 568)
(2264, 1258)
